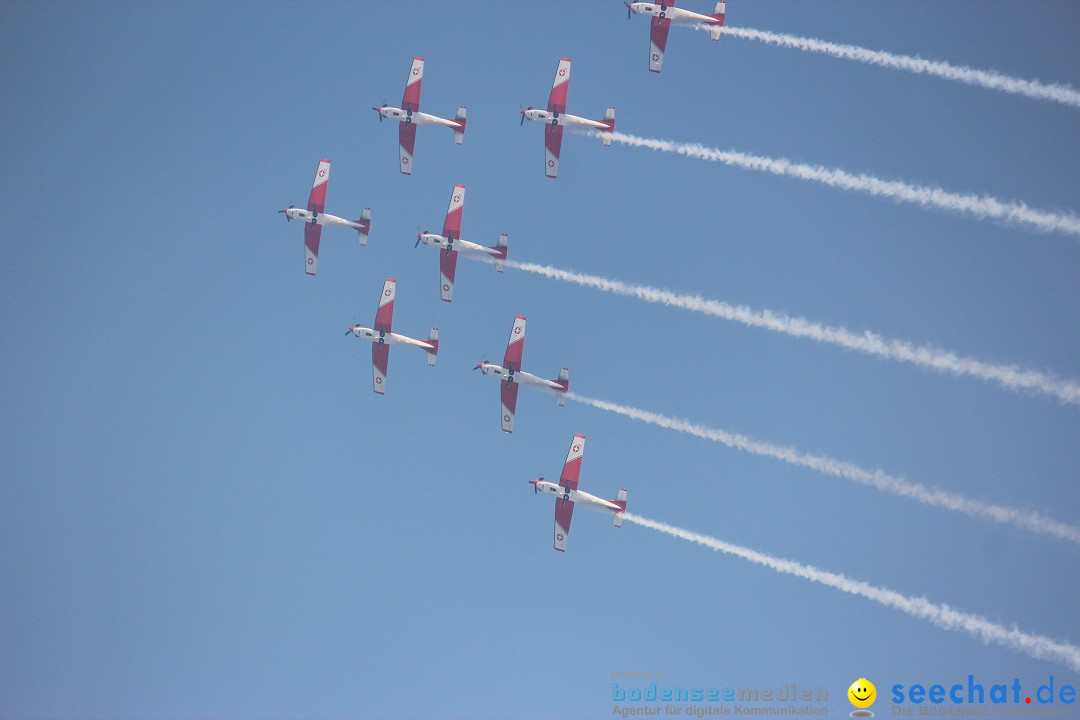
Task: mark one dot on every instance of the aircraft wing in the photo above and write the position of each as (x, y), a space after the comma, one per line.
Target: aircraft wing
(572, 468)
(452, 225)
(410, 103)
(316, 204)
(380, 358)
(384, 316)
(509, 405)
(552, 143)
(406, 143)
(564, 508)
(312, 233)
(380, 352)
(564, 513)
(411, 99)
(317, 199)
(658, 42)
(447, 269)
(560, 88)
(515, 346)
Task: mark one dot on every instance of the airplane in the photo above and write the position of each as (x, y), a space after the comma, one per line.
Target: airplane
(566, 494)
(314, 218)
(663, 14)
(556, 118)
(450, 244)
(381, 337)
(410, 116)
(511, 375)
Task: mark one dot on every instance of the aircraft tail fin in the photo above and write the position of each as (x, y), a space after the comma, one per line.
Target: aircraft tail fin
(364, 225)
(433, 340)
(501, 247)
(564, 380)
(609, 120)
(459, 135)
(619, 500)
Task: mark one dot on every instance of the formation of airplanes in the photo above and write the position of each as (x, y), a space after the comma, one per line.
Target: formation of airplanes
(449, 243)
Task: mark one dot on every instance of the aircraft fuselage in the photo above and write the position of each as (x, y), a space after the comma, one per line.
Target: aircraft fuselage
(314, 218)
(518, 376)
(415, 116)
(387, 338)
(576, 496)
(460, 245)
(564, 119)
(670, 13)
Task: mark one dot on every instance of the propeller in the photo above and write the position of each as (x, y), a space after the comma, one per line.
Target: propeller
(355, 324)
(628, 10)
(523, 115)
(286, 211)
(418, 234)
(480, 364)
(379, 110)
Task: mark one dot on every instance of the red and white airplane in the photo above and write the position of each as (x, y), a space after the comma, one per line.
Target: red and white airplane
(314, 218)
(450, 244)
(663, 14)
(511, 375)
(381, 337)
(567, 494)
(556, 119)
(410, 116)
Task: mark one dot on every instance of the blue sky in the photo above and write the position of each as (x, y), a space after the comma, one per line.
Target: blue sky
(205, 511)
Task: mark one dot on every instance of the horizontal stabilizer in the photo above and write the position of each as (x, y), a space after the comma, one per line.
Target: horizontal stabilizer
(459, 135)
(433, 340)
(365, 225)
(718, 15)
(609, 120)
(619, 500)
(503, 249)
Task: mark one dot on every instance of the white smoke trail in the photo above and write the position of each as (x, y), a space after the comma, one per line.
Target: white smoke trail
(1026, 519)
(1037, 646)
(979, 206)
(1009, 376)
(981, 78)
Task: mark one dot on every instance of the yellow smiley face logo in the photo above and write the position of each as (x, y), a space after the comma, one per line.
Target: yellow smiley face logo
(862, 693)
